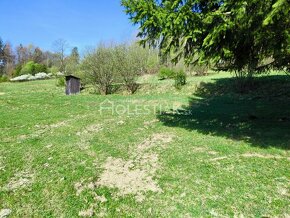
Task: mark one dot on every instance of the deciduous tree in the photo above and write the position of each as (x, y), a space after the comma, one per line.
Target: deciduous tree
(60, 47)
(2, 60)
(38, 56)
(73, 61)
(9, 59)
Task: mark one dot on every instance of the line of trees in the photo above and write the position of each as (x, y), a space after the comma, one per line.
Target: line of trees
(107, 67)
(31, 59)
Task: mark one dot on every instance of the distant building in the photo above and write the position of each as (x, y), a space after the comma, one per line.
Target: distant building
(73, 85)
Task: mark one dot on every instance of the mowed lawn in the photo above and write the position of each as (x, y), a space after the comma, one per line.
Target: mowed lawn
(203, 151)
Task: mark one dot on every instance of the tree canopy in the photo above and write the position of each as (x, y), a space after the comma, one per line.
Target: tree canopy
(237, 34)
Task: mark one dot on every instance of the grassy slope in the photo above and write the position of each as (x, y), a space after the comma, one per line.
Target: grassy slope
(220, 163)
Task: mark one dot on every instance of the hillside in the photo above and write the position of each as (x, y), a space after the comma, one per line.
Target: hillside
(204, 151)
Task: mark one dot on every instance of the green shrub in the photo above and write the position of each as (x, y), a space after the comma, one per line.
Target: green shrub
(33, 68)
(180, 79)
(3, 79)
(17, 70)
(40, 68)
(60, 82)
(28, 68)
(166, 73)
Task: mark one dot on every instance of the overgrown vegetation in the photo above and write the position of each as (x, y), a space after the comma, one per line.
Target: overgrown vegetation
(188, 143)
(225, 153)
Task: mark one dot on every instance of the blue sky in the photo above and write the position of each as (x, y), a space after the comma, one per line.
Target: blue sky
(81, 22)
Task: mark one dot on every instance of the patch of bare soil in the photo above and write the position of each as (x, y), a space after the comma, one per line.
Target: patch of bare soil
(92, 212)
(156, 140)
(121, 174)
(87, 213)
(283, 190)
(135, 176)
(20, 180)
(87, 134)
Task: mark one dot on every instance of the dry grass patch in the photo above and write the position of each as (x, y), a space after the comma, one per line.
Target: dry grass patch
(20, 180)
(87, 134)
(121, 174)
(265, 156)
(87, 213)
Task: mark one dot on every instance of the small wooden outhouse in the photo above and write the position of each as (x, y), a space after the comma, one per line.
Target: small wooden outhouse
(73, 85)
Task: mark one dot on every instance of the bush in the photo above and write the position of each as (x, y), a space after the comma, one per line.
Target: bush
(100, 68)
(32, 68)
(60, 82)
(25, 77)
(166, 73)
(40, 68)
(3, 79)
(130, 62)
(41, 75)
(29, 77)
(180, 79)
(28, 68)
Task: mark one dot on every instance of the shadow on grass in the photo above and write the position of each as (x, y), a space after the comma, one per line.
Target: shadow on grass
(261, 116)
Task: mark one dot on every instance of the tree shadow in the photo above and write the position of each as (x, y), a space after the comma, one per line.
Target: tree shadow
(260, 117)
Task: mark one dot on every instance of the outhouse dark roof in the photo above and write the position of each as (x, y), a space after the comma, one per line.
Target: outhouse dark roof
(71, 76)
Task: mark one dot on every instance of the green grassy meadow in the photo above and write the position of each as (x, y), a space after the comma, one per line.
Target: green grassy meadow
(203, 151)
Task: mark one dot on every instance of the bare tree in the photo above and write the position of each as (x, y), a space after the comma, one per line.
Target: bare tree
(9, 59)
(22, 54)
(60, 47)
(38, 56)
(2, 59)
